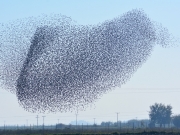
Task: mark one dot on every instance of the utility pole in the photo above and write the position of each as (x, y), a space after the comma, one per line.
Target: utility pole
(27, 122)
(117, 119)
(57, 124)
(76, 117)
(43, 124)
(76, 120)
(43, 121)
(136, 123)
(120, 125)
(108, 127)
(37, 120)
(4, 125)
(94, 124)
(133, 127)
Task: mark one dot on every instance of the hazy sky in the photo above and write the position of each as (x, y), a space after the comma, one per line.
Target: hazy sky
(158, 80)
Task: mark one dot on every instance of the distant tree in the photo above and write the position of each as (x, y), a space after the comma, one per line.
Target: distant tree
(107, 123)
(151, 124)
(176, 120)
(60, 125)
(160, 114)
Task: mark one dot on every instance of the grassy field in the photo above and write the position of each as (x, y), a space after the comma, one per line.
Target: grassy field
(156, 131)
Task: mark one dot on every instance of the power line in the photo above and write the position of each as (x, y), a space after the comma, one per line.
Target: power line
(97, 115)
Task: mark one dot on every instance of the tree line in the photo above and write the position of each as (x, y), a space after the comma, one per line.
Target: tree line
(159, 115)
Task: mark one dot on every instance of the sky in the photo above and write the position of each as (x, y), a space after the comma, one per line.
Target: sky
(157, 80)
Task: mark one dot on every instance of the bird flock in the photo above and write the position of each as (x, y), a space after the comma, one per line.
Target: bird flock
(54, 64)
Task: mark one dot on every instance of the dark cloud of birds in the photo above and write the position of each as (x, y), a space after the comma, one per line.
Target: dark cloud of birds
(54, 64)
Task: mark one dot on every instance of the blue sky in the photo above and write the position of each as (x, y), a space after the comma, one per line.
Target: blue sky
(156, 81)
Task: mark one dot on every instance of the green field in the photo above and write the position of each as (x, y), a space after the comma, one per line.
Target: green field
(155, 131)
